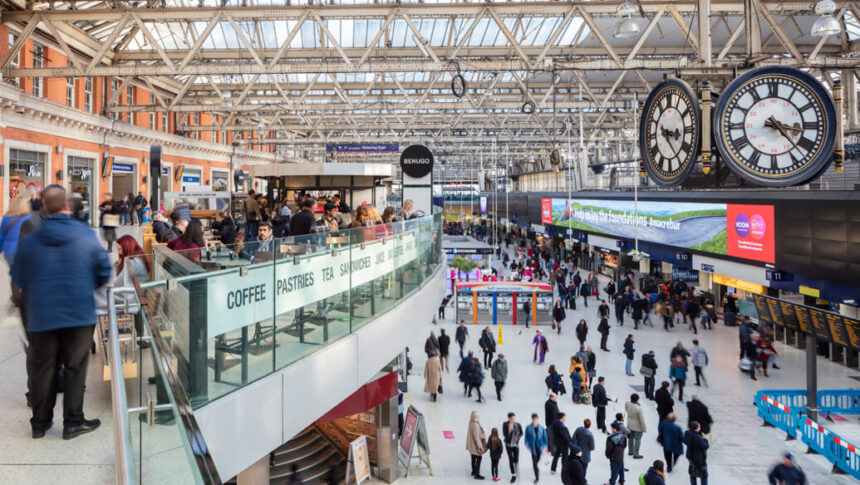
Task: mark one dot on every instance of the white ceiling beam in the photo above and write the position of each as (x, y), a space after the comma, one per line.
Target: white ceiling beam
(20, 41)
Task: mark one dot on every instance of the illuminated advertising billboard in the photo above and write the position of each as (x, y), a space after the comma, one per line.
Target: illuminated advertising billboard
(706, 227)
(483, 205)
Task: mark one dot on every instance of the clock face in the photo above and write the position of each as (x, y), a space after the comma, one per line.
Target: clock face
(776, 126)
(669, 132)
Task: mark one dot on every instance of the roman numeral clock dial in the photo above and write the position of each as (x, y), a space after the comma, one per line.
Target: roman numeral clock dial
(669, 132)
(775, 126)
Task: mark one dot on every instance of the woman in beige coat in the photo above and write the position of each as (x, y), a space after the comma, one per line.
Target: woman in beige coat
(636, 425)
(432, 376)
(476, 444)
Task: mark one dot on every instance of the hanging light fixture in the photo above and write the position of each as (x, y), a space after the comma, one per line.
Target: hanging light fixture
(627, 28)
(826, 24)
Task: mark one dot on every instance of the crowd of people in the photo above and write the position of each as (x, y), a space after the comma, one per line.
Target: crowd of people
(676, 302)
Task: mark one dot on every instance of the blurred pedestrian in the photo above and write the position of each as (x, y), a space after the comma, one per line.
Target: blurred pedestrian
(629, 352)
(698, 412)
(10, 228)
(673, 441)
(786, 473)
(700, 360)
(649, 371)
(461, 335)
(581, 332)
(572, 472)
(536, 441)
(541, 347)
(464, 371)
(583, 438)
(444, 345)
(431, 345)
(487, 342)
(512, 432)
(655, 474)
(678, 373)
(697, 454)
(500, 374)
(560, 441)
(616, 443)
(558, 315)
(477, 376)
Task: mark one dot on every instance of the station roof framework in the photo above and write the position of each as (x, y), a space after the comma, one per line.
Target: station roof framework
(298, 75)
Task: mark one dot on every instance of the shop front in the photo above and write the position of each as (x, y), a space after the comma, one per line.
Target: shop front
(191, 177)
(26, 174)
(80, 171)
(123, 179)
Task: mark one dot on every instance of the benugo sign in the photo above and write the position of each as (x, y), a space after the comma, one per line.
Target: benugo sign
(235, 301)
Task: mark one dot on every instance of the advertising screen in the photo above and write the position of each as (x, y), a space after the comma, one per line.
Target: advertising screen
(483, 205)
(706, 227)
(751, 232)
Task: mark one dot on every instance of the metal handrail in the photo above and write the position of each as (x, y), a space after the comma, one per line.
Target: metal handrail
(122, 432)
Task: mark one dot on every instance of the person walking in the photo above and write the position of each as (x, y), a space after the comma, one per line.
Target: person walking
(583, 438)
(139, 204)
(577, 280)
(541, 347)
(697, 454)
(55, 274)
(590, 365)
(603, 310)
(629, 352)
(581, 331)
(494, 445)
(585, 292)
(512, 432)
(639, 306)
(560, 442)
(649, 371)
(616, 443)
(786, 473)
(600, 400)
(487, 342)
(620, 307)
(476, 444)
(693, 310)
(558, 315)
(431, 345)
(698, 412)
(444, 345)
(678, 374)
(536, 441)
(464, 372)
(700, 360)
(665, 405)
(636, 425)
(603, 328)
(500, 374)
(673, 441)
(477, 376)
(432, 376)
(461, 335)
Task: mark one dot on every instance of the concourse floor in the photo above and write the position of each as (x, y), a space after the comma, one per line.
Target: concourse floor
(742, 451)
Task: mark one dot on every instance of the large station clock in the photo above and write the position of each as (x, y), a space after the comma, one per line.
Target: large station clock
(669, 132)
(776, 126)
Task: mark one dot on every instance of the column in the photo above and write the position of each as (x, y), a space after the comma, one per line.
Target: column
(495, 308)
(534, 308)
(474, 308)
(386, 441)
(515, 307)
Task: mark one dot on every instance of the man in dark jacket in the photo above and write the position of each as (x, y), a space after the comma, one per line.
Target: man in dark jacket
(599, 400)
(649, 362)
(697, 453)
(786, 473)
(138, 204)
(460, 336)
(488, 345)
(444, 344)
(431, 345)
(616, 444)
(603, 310)
(583, 438)
(560, 441)
(303, 221)
(620, 306)
(665, 403)
(572, 472)
(464, 372)
(161, 228)
(603, 328)
(512, 432)
(551, 413)
(698, 412)
(58, 268)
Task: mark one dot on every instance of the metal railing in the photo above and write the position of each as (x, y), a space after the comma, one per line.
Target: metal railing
(193, 449)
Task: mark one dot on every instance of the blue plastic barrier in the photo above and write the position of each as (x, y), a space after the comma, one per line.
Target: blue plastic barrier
(830, 445)
(839, 401)
(782, 416)
(793, 398)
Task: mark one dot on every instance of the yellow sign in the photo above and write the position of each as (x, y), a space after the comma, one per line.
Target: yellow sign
(809, 291)
(739, 284)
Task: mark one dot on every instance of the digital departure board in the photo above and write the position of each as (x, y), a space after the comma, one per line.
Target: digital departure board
(852, 328)
(819, 323)
(837, 329)
(804, 321)
(763, 311)
(786, 311)
(822, 324)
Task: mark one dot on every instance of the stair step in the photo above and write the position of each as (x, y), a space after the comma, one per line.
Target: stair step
(295, 445)
(299, 454)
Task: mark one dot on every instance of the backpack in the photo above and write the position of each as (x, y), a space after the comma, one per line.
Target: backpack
(642, 479)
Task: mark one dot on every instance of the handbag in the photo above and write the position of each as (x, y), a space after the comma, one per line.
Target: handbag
(698, 472)
(594, 292)
(110, 220)
(646, 371)
(440, 388)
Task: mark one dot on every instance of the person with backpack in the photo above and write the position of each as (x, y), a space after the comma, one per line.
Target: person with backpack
(603, 328)
(649, 371)
(572, 472)
(672, 441)
(464, 372)
(616, 444)
(487, 342)
(585, 292)
(697, 454)
(654, 476)
(527, 308)
(583, 438)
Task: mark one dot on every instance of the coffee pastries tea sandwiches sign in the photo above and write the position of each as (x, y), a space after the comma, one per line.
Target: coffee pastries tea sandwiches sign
(776, 126)
(670, 132)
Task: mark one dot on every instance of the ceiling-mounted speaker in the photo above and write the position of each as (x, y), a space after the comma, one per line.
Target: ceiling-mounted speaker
(555, 157)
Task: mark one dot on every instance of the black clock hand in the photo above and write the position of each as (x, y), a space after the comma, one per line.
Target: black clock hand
(772, 123)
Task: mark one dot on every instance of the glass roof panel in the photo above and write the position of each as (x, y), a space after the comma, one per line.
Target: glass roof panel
(440, 33)
(478, 34)
(309, 38)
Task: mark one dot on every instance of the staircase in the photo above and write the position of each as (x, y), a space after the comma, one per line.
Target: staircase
(311, 452)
